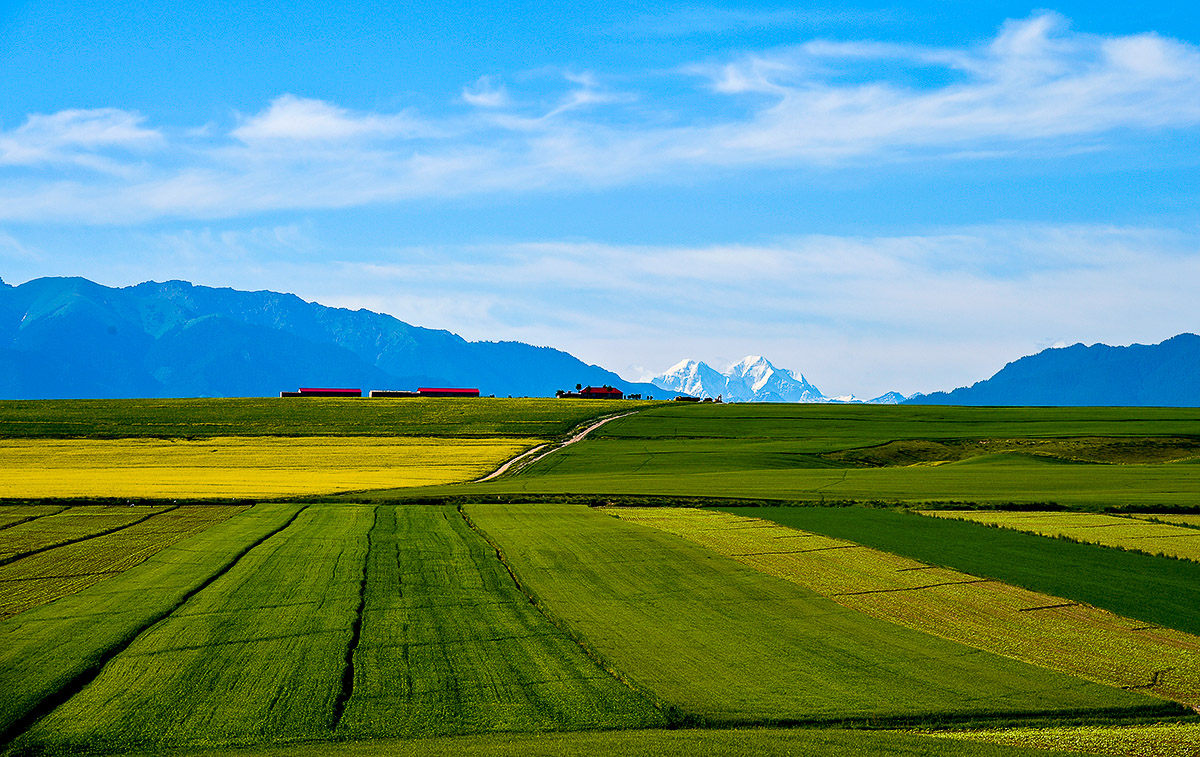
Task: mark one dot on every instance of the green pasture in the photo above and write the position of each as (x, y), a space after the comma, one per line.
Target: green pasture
(1134, 584)
(298, 416)
(720, 643)
(820, 453)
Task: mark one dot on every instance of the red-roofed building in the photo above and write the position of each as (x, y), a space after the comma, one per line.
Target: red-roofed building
(601, 393)
(309, 391)
(426, 391)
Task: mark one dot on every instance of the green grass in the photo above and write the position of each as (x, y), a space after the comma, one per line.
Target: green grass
(72, 525)
(660, 743)
(1136, 585)
(450, 645)
(47, 652)
(819, 453)
(726, 644)
(308, 416)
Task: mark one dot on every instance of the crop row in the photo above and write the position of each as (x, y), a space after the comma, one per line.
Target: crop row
(47, 575)
(988, 615)
(721, 641)
(1182, 519)
(234, 467)
(1094, 528)
(67, 526)
(11, 515)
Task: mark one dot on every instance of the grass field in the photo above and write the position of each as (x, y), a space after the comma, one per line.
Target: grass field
(240, 467)
(46, 575)
(817, 453)
(724, 643)
(12, 515)
(1037, 628)
(1093, 528)
(1153, 589)
(307, 416)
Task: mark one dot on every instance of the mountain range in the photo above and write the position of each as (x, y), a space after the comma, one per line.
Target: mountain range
(753, 379)
(72, 338)
(1166, 374)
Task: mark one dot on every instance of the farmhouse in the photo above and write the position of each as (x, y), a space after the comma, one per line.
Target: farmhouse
(601, 393)
(322, 392)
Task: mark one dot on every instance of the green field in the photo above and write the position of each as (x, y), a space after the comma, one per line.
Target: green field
(508, 616)
(723, 643)
(1153, 589)
(296, 416)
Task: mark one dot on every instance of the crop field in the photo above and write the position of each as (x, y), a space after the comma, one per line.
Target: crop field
(1177, 519)
(396, 607)
(1094, 528)
(722, 642)
(240, 467)
(307, 416)
(1157, 740)
(907, 454)
(1037, 628)
(117, 545)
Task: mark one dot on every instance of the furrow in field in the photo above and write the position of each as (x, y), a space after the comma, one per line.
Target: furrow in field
(717, 641)
(1107, 530)
(62, 570)
(49, 651)
(14, 515)
(450, 645)
(989, 615)
(73, 525)
(223, 669)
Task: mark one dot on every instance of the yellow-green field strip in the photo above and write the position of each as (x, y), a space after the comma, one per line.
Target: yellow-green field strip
(1155, 740)
(1182, 519)
(12, 515)
(50, 651)
(720, 642)
(1036, 628)
(72, 525)
(238, 467)
(1094, 528)
(55, 572)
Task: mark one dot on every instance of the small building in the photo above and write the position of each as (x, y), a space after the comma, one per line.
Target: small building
(427, 391)
(685, 398)
(392, 393)
(308, 391)
(601, 393)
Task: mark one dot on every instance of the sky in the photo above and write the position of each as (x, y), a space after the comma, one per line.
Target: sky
(882, 197)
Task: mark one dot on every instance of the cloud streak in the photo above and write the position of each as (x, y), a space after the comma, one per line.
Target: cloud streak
(1036, 84)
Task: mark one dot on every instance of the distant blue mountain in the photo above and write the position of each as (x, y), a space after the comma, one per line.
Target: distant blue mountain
(72, 338)
(1165, 374)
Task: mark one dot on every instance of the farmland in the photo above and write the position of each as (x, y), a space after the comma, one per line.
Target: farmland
(390, 606)
(242, 467)
(1093, 528)
(1000, 618)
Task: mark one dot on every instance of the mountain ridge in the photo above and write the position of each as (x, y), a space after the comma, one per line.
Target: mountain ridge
(752, 379)
(73, 338)
(1165, 374)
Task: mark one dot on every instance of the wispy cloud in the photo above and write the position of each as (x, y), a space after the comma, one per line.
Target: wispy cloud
(1036, 84)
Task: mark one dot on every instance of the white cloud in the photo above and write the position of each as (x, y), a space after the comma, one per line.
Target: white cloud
(1037, 85)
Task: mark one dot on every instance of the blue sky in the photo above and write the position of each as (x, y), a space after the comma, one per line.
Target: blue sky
(883, 197)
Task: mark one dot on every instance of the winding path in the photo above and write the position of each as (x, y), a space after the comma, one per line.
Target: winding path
(520, 460)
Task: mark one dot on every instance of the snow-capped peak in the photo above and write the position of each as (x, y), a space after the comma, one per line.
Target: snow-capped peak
(751, 379)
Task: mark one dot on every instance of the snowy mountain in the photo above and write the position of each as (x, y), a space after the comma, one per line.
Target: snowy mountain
(753, 379)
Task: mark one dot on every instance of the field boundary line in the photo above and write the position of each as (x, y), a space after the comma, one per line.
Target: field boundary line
(519, 462)
(22, 555)
(29, 518)
(76, 683)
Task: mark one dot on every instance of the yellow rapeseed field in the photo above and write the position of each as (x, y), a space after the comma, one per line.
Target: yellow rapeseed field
(241, 466)
(1094, 528)
(1025, 625)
